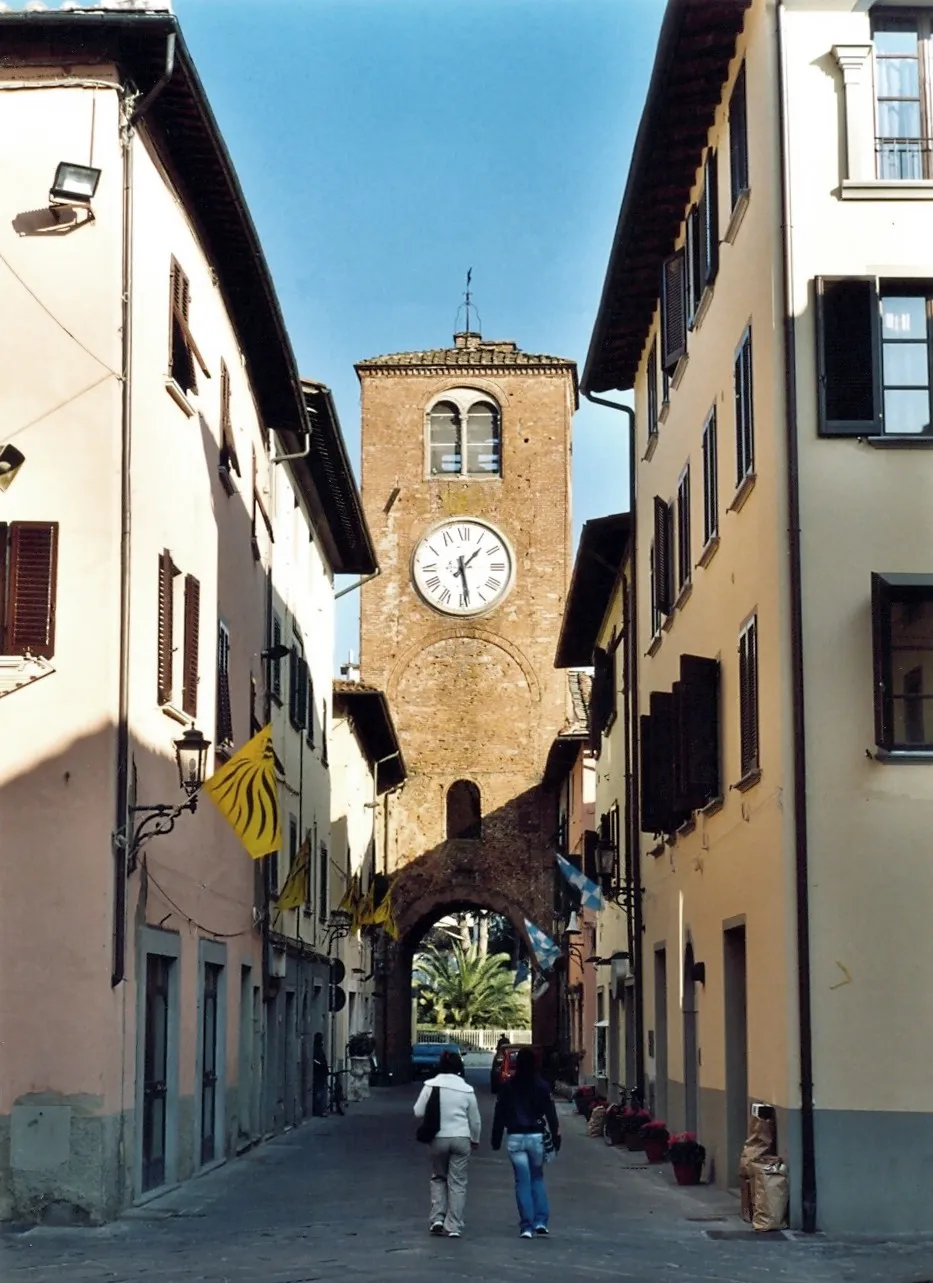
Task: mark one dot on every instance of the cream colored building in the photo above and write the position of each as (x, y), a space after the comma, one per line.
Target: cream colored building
(148, 539)
(768, 299)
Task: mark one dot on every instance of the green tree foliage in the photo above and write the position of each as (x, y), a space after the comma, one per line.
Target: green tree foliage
(461, 989)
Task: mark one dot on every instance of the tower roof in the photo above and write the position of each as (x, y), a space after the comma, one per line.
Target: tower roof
(470, 353)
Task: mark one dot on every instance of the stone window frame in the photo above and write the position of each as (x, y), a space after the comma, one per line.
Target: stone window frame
(860, 181)
(463, 396)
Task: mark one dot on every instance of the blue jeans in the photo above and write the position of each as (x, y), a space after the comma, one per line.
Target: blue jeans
(527, 1155)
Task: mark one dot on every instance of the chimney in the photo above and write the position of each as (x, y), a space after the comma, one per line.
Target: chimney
(468, 340)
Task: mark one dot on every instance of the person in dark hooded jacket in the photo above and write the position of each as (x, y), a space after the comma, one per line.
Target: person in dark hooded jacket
(523, 1107)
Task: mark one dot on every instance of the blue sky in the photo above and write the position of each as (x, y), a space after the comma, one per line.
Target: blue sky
(385, 146)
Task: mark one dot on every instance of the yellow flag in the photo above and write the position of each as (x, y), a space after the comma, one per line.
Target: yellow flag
(295, 891)
(365, 910)
(352, 897)
(245, 792)
(384, 917)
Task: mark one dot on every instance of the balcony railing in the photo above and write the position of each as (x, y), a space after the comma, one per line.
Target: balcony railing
(899, 159)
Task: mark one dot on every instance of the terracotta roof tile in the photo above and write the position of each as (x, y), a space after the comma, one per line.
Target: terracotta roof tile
(580, 684)
(471, 352)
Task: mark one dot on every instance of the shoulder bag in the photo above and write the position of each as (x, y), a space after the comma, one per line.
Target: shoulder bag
(430, 1125)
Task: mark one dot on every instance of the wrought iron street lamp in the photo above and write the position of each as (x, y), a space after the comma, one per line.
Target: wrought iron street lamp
(338, 926)
(191, 758)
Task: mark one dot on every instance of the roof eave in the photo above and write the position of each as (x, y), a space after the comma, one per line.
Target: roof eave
(604, 539)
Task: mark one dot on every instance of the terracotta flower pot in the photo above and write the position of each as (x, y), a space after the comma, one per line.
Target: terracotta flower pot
(687, 1173)
(655, 1150)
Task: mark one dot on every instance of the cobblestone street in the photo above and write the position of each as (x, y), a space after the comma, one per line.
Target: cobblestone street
(347, 1198)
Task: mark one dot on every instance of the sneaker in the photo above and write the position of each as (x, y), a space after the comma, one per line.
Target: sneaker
(527, 1234)
(437, 1227)
(453, 1233)
(541, 1229)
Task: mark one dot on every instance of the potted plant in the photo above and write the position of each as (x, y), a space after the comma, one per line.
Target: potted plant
(581, 1095)
(632, 1126)
(687, 1156)
(655, 1136)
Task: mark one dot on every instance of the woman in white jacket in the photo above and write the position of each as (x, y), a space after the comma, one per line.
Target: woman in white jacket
(457, 1136)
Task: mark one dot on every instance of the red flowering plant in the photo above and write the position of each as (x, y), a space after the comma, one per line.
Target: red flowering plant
(633, 1120)
(655, 1130)
(685, 1148)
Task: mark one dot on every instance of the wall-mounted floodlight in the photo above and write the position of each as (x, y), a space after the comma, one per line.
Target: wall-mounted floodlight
(74, 184)
(11, 460)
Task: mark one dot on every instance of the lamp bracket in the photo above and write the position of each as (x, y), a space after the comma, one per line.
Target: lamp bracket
(158, 820)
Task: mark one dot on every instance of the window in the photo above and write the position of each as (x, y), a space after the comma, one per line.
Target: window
(324, 757)
(748, 698)
(696, 734)
(28, 583)
(602, 695)
(663, 556)
(310, 714)
(297, 689)
(651, 375)
(744, 411)
(475, 452)
(259, 511)
(228, 456)
(684, 563)
(224, 730)
(902, 619)
(178, 636)
(874, 345)
(323, 883)
(738, 138)
(183, 351)
(464, 812)
(710, 480)
(702, 239)
(673, 310)
(902, 47)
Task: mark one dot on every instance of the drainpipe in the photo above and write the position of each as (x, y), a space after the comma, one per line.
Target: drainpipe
(808, 1154)
(359, 584)
(121, 826)
(630, 655)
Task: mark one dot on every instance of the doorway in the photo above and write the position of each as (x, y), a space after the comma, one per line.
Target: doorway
(735, 989)
(660, 1032)
(155, 1070)
(209, 1001)
(691, 1066)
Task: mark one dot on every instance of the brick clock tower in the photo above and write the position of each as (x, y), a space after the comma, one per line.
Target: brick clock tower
(466, 488)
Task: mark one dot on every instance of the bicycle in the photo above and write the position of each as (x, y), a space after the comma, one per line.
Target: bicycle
(336, 1096)
(613, 1131)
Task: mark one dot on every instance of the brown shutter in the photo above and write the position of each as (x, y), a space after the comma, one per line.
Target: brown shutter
(698, 732)
(224, 708)
(309, 724)
(710, 227)
(166, 627)
(881, 648)
(228, 454)
(663, 577)
(4, 540)
(695, 257)
(673, 310)
(30, 595)
(662, 759)
(748, 698)
(189, 690)
(848, 336)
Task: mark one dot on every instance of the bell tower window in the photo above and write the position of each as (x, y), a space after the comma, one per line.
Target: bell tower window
(464, 811)
(464, 436)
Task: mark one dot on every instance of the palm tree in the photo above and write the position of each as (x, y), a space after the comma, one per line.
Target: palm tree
(462, 989)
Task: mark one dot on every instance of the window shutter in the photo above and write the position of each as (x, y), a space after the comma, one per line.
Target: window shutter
(881, 650)
(748, 699)
(4, 540)
(651, 821)
(662, 759)
(224, 708)
(698, 732)
(673, 310)
(682, 796)
(166, 627)
(710, 228)
(663, 577)
(695, 258)
(310, 717)
(848, 338)
(189, 688)
(30, 595)
(275, 665)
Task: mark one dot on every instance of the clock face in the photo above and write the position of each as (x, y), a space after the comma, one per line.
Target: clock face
(462, 567)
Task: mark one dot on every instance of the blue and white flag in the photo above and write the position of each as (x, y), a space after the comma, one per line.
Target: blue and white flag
(545, 950)
(590, 895)
(521, 974)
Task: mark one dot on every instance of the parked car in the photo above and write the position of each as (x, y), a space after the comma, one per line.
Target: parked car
(506, 1056)
(426, 1055)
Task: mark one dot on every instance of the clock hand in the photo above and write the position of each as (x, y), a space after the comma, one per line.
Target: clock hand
(466, 587)
(469, 559)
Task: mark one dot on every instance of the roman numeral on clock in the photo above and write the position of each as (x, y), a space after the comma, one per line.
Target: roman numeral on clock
(432, 583)
(448, 538)
(464, 533)
(444, 598)
(493, 584)
(494, 565)
(493, 548)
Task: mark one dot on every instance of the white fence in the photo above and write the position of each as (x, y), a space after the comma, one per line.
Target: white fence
(473, 1039)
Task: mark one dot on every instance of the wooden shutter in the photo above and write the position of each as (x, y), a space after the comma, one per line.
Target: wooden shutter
(29, 599)
(4, 542)
(228, 454)
(663, 552)
(650, 814)
(848, 341)
(309, 724)
(695, 258)
(166, 627)
(673, 310)
(224, 708)
(662, 759)
(189, 689)
(275, 665)
(697, 732)
(710, 227)
(748, 699)
(881, 650)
